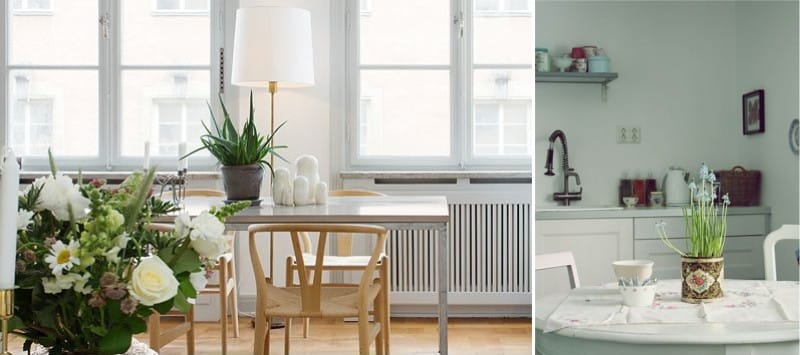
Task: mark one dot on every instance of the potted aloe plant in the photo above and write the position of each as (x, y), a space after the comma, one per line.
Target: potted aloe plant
(702, 264)
(243, 156)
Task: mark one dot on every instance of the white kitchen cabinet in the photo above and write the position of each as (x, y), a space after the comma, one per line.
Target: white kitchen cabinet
(595, 243)
(744, 256)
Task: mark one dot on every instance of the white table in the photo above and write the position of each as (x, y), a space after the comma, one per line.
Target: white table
(730, 338)
(392, 212)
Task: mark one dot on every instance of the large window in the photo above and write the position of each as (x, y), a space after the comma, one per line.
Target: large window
(96, 79)
(440, 86)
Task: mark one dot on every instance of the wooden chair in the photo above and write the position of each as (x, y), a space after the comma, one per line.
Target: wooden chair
(158, 337)
(343, 261)
(313, 299)
(562, 259)
(226, 286)
(785, 232)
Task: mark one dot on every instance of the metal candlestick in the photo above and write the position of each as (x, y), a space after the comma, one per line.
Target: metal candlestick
(6, 311)
(177, 184)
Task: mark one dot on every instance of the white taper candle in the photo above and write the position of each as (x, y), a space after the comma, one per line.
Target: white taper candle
(146, 164)
(9, 195)
(182, 164)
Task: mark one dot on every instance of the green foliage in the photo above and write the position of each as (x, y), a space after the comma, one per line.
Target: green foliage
(232, 148)
(90, 315)
(229, 209)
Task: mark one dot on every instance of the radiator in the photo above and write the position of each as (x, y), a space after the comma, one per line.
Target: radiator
(490, 257)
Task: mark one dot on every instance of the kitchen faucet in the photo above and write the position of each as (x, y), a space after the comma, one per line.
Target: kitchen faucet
(564, 196)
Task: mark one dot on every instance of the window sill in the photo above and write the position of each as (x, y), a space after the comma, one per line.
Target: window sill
(26, 177)
(476, 174)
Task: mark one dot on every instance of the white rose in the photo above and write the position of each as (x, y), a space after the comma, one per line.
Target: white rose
(58, 194)
(198, 280)
(207, 236)
(23, 219)
(152, 282)
(183, 224)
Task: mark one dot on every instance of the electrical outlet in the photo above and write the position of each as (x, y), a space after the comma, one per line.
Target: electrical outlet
(629, 134)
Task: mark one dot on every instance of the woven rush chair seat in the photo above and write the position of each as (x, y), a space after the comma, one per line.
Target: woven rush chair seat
(335, 302)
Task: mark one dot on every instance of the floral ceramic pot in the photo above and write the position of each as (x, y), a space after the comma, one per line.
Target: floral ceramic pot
(701, 279)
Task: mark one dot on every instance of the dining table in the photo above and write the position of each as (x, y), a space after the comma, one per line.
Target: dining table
(392, 212)
(754, 317)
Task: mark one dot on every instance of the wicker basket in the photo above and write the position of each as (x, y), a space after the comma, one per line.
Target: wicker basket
(742, 186)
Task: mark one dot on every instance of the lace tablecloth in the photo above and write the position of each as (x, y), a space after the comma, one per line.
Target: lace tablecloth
(750, 301)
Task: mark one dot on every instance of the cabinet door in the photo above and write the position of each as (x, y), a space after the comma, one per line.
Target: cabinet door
(595, 243)
(744, 257)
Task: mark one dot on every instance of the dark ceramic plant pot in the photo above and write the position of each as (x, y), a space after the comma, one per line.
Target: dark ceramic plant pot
(701, 279)
(242, 182)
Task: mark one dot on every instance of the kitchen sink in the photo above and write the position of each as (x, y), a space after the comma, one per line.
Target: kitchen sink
(578, 208)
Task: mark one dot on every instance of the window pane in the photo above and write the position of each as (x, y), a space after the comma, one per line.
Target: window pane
(196, 5)
(516, 32)
(487, 5)
(149, 39)
(515, 112)
(509, 95)
(518, 5)
(145, 93)
(486, 135)
(68, 36)
(406, 32)
(409, 112)
(487, 113)
(503, 84)
(56, 107)
(167, 4)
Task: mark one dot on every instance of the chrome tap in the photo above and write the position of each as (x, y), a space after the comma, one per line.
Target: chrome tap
(564, 196)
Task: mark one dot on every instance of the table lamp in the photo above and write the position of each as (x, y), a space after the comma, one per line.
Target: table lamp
(271, 48)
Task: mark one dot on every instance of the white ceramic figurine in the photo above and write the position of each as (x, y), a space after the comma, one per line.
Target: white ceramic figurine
(308, 167)
(282, 192)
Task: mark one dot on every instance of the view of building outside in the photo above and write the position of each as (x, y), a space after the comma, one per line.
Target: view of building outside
(405, 78)
(164, 76)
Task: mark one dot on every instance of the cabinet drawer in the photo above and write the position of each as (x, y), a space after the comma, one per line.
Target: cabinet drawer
(740, 225)
(744, 257)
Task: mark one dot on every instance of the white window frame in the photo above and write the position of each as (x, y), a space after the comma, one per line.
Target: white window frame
(180, 11)
(25, 10)
(461, 98)
(109, 69)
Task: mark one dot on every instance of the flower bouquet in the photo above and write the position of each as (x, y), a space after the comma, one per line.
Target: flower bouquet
(702, 267)
(89, 271)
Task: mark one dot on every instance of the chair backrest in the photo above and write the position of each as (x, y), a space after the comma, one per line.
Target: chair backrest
(786, 231)
(310, 290)
(561, 259)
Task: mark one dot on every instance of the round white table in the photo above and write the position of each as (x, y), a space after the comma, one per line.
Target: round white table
(734, 338)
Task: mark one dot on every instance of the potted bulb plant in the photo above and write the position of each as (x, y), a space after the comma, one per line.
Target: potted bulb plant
(702, 267)
(243, 156)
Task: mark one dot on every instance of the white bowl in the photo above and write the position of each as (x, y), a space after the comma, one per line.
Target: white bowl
(638, 296)
(628, 269)
(630, 201)
(562, 63)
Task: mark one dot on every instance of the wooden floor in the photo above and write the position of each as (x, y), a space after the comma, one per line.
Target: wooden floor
(468, 336)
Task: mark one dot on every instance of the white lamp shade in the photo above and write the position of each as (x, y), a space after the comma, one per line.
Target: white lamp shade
(272, 44)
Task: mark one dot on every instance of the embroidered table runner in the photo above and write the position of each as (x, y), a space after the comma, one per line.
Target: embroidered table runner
(743, 301)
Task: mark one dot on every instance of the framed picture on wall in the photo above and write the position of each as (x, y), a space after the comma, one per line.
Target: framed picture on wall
(753, 112)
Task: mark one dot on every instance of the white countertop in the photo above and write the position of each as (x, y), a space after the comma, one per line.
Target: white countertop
(601, 212)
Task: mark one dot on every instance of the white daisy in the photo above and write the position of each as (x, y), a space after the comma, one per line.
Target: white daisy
(62, 257)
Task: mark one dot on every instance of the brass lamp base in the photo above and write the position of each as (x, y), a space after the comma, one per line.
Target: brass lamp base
(6, 311)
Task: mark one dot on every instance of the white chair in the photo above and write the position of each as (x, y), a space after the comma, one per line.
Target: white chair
(785, 232)
(561, 259)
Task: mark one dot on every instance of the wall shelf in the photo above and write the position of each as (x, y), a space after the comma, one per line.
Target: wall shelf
(579, 78)
(575, 78)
